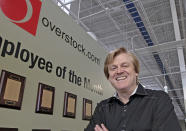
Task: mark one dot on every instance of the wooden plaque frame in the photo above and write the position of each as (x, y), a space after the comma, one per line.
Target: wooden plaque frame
(11, 90)
(8, 129)
(45, 99)
(87, 109)
(69, 108)
(41, 130)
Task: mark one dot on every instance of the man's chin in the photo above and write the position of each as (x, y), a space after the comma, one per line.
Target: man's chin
(120, 88)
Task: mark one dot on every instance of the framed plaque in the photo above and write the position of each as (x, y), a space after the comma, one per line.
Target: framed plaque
(87, 109)
(11, 90)
(8, 129)
(45, 99)
(41, 130)
(69, 108)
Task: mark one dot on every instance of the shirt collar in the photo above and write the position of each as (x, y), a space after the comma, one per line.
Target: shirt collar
(134, 91)
(140, 90)
(116, 94)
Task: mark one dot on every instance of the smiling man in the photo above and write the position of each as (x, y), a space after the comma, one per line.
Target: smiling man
(133, 108)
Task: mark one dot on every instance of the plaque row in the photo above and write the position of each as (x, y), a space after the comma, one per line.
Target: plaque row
(16, 129)
(11, 96)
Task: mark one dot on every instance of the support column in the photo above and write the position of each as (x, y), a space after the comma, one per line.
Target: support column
(179, 49)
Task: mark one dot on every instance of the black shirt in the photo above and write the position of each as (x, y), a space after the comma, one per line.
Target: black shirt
(147, 110)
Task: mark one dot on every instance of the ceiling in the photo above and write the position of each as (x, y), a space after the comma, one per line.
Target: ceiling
(154, 30)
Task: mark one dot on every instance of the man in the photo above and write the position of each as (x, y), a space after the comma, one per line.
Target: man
(133, 108)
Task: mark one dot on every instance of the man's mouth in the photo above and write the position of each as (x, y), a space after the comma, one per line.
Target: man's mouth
(121, 78)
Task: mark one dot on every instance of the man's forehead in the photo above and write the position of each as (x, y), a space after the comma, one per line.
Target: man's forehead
(120, 63)
(125, 58)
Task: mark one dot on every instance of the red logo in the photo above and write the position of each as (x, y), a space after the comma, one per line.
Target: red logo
(24, 13)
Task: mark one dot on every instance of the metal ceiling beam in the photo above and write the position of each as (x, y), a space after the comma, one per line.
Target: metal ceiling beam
(123, 30)
(162, 24)
(175, 20)
(99, 12)
(98, 5)
(182, 68)
(182, 9)
(69, 2)
(172, 73)
(79, 7)
(113, 42)
(114, 22)
(109, 9)
(155, 6)
(73, 15)
(162, 47)
(184, 3)
(148, 21)
(104, 20)
(110, 36)
(108, 13)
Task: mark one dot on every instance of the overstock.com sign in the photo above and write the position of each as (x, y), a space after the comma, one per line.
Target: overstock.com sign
(23, 13)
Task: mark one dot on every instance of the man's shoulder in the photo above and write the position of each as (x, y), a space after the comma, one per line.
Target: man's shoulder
(106, 101)
(156, 93)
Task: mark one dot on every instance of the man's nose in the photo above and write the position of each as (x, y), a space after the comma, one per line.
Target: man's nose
(120, 70)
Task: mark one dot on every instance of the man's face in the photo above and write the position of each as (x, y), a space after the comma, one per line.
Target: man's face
(121, 73)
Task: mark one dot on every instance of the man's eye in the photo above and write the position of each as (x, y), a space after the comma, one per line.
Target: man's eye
(125, 65)
(113, 68)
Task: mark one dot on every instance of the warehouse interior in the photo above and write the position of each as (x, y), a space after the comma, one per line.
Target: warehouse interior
(154, 30)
